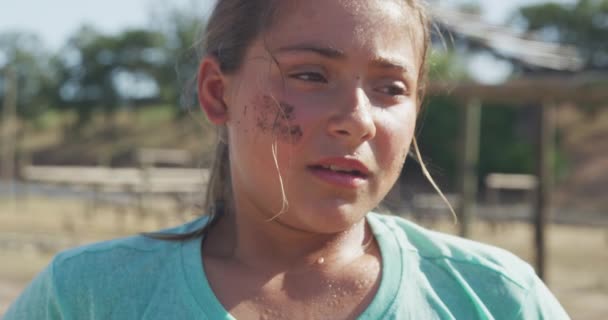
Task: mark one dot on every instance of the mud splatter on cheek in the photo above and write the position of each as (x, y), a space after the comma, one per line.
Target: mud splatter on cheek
(296, 134)
(277, 118)
(262, 109)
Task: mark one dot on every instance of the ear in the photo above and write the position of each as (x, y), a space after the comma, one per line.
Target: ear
(211, 85)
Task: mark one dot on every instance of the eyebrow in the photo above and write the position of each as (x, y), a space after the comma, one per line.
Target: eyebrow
(392, 64)
(324, 51)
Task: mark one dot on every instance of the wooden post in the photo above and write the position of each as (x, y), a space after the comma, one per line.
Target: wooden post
(9, 128)
(471, 127)
(545, 170)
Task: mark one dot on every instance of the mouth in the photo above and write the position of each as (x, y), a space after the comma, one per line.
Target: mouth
(342, 172)
(339, 170)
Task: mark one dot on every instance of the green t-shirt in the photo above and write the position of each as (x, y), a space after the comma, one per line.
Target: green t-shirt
(425, 275)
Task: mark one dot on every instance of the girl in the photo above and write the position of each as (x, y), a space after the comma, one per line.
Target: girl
(316, 102)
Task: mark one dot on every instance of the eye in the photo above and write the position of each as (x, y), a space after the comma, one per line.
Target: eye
(395, 89)
(309, 76)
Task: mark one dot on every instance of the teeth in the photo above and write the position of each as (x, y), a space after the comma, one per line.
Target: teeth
(337, 168)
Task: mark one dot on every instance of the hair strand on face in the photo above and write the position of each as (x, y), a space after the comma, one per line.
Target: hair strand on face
(284, 202)
(428, 176)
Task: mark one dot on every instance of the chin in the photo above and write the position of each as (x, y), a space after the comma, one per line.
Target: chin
(329, 219)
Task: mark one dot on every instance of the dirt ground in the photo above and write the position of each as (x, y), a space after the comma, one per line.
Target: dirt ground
(33, 230)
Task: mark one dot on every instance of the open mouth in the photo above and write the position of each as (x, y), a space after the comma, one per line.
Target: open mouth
(339, 170)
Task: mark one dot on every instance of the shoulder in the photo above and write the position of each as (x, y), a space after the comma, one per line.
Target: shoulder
(92, 262)
(134, 266)
(129, 251)
(435, 246)
(122, 278)
(467, 277)
(480, 266)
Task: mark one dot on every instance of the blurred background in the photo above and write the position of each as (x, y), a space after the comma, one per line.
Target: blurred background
(101, 136)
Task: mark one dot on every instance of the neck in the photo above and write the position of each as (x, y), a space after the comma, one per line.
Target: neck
(271, 245)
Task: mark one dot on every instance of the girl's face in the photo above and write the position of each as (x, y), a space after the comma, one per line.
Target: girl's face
(332, 86)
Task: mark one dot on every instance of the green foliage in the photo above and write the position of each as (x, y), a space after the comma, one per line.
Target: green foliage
(23, 53)
(445, 66)
(439, 128)
(99, 71)
(504, 142)
(584, 24)
(182, 28)
(505, 145)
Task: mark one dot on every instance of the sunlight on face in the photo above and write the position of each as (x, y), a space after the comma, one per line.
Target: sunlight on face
(332, 86)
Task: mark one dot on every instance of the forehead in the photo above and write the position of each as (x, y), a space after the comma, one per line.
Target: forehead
(376, 27)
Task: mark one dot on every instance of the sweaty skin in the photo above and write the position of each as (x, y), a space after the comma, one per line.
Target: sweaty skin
(331, 79)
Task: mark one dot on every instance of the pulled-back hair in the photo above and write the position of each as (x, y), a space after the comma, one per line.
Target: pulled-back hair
(232, 27)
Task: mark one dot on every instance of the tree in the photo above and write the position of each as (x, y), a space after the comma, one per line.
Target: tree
(104, 72)
(182, 27)
(584, 24)
(25, 54)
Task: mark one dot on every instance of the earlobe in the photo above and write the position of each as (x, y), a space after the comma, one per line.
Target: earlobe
(211, 87)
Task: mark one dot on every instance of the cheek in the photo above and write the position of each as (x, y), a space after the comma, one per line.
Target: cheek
(276, 118)
(395, 137)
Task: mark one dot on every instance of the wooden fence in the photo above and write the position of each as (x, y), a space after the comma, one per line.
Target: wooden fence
(139, 183)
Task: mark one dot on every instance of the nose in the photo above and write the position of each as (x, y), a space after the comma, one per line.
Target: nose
(353, 119)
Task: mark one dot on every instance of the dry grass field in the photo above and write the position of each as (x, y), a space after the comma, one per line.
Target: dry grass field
(33, 230)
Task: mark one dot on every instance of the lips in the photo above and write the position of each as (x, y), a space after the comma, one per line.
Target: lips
(342, 172)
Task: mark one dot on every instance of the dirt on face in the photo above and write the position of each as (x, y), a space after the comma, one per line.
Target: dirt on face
(277, 118)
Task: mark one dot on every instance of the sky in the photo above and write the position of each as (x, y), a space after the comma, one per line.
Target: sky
(55, 20)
